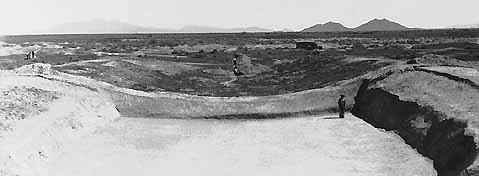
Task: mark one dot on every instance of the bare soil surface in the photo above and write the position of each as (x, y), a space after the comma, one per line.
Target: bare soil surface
(433, 108)
(211, 74)
(300, 146)
(18, 103)
(63, 122)
(41, 116)
(468, 73)
(201, 64)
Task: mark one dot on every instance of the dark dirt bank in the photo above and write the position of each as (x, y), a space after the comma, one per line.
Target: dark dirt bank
(433, 131)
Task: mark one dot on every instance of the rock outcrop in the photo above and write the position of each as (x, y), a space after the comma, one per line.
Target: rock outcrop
(434, 113)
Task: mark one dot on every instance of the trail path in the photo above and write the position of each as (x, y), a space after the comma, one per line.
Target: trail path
(228, 83)
(300, 146)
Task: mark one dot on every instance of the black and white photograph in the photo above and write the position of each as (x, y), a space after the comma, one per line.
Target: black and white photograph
(239, 88)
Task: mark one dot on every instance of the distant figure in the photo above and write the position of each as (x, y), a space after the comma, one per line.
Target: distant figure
(342, 106)
(33, 54)
(236, 71)
(234, 60)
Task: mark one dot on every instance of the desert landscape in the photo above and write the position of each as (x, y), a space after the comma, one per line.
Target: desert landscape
(150, 103)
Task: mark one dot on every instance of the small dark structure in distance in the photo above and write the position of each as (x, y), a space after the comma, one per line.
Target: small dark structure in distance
(306, 45)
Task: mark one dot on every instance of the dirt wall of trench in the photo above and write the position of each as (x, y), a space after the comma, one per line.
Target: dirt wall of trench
(432, 133)
(310, 102)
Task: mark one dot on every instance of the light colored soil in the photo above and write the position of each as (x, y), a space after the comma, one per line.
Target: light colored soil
(249, 68)
(455, 99)
(39, 124)
(468, 73)
(80, 134)
(19, 103)
(351, 59)
(302, 146)
(166, 67)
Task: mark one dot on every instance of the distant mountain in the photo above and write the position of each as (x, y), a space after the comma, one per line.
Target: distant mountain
(381, 25)
(465, 26)
(103, 26)
(373, 25)
(285, 30)
(207, 29)
(327, 27)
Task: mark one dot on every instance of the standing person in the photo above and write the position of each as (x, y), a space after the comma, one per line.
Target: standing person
(235, 70)
(342, 106)
(235, 67)
(234, 60)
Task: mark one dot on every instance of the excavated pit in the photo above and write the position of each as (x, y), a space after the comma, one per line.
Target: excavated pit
(182, 106)
(90, 133)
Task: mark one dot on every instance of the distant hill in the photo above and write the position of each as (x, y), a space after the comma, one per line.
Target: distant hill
(103, 26)
(207, 29)
(381, 25)
(373, 25)
(285, 30)
(465, 26)
(327, 27)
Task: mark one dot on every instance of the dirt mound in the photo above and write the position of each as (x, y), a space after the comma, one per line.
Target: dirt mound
(37, 68)
(471, 74)
(40, 113)
(438, 60)
(249, 68)
(434, 112)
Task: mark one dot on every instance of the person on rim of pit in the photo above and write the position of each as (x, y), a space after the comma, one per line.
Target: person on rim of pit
(235, 60)
(236, 71)
(342, 106)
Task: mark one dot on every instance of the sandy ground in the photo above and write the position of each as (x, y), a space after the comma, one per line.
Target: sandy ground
(39, 125)
(301, 146)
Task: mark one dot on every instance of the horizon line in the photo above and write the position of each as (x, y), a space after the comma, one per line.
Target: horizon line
(166, 33)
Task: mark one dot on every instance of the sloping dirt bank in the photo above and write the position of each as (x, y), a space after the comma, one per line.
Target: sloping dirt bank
(172, 105)
(41, 117)
(436, 113)
(133, 103)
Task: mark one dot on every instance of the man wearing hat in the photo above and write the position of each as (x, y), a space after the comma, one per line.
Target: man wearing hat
(342, 106)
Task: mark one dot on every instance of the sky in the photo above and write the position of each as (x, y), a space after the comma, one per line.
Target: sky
(24, 16)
